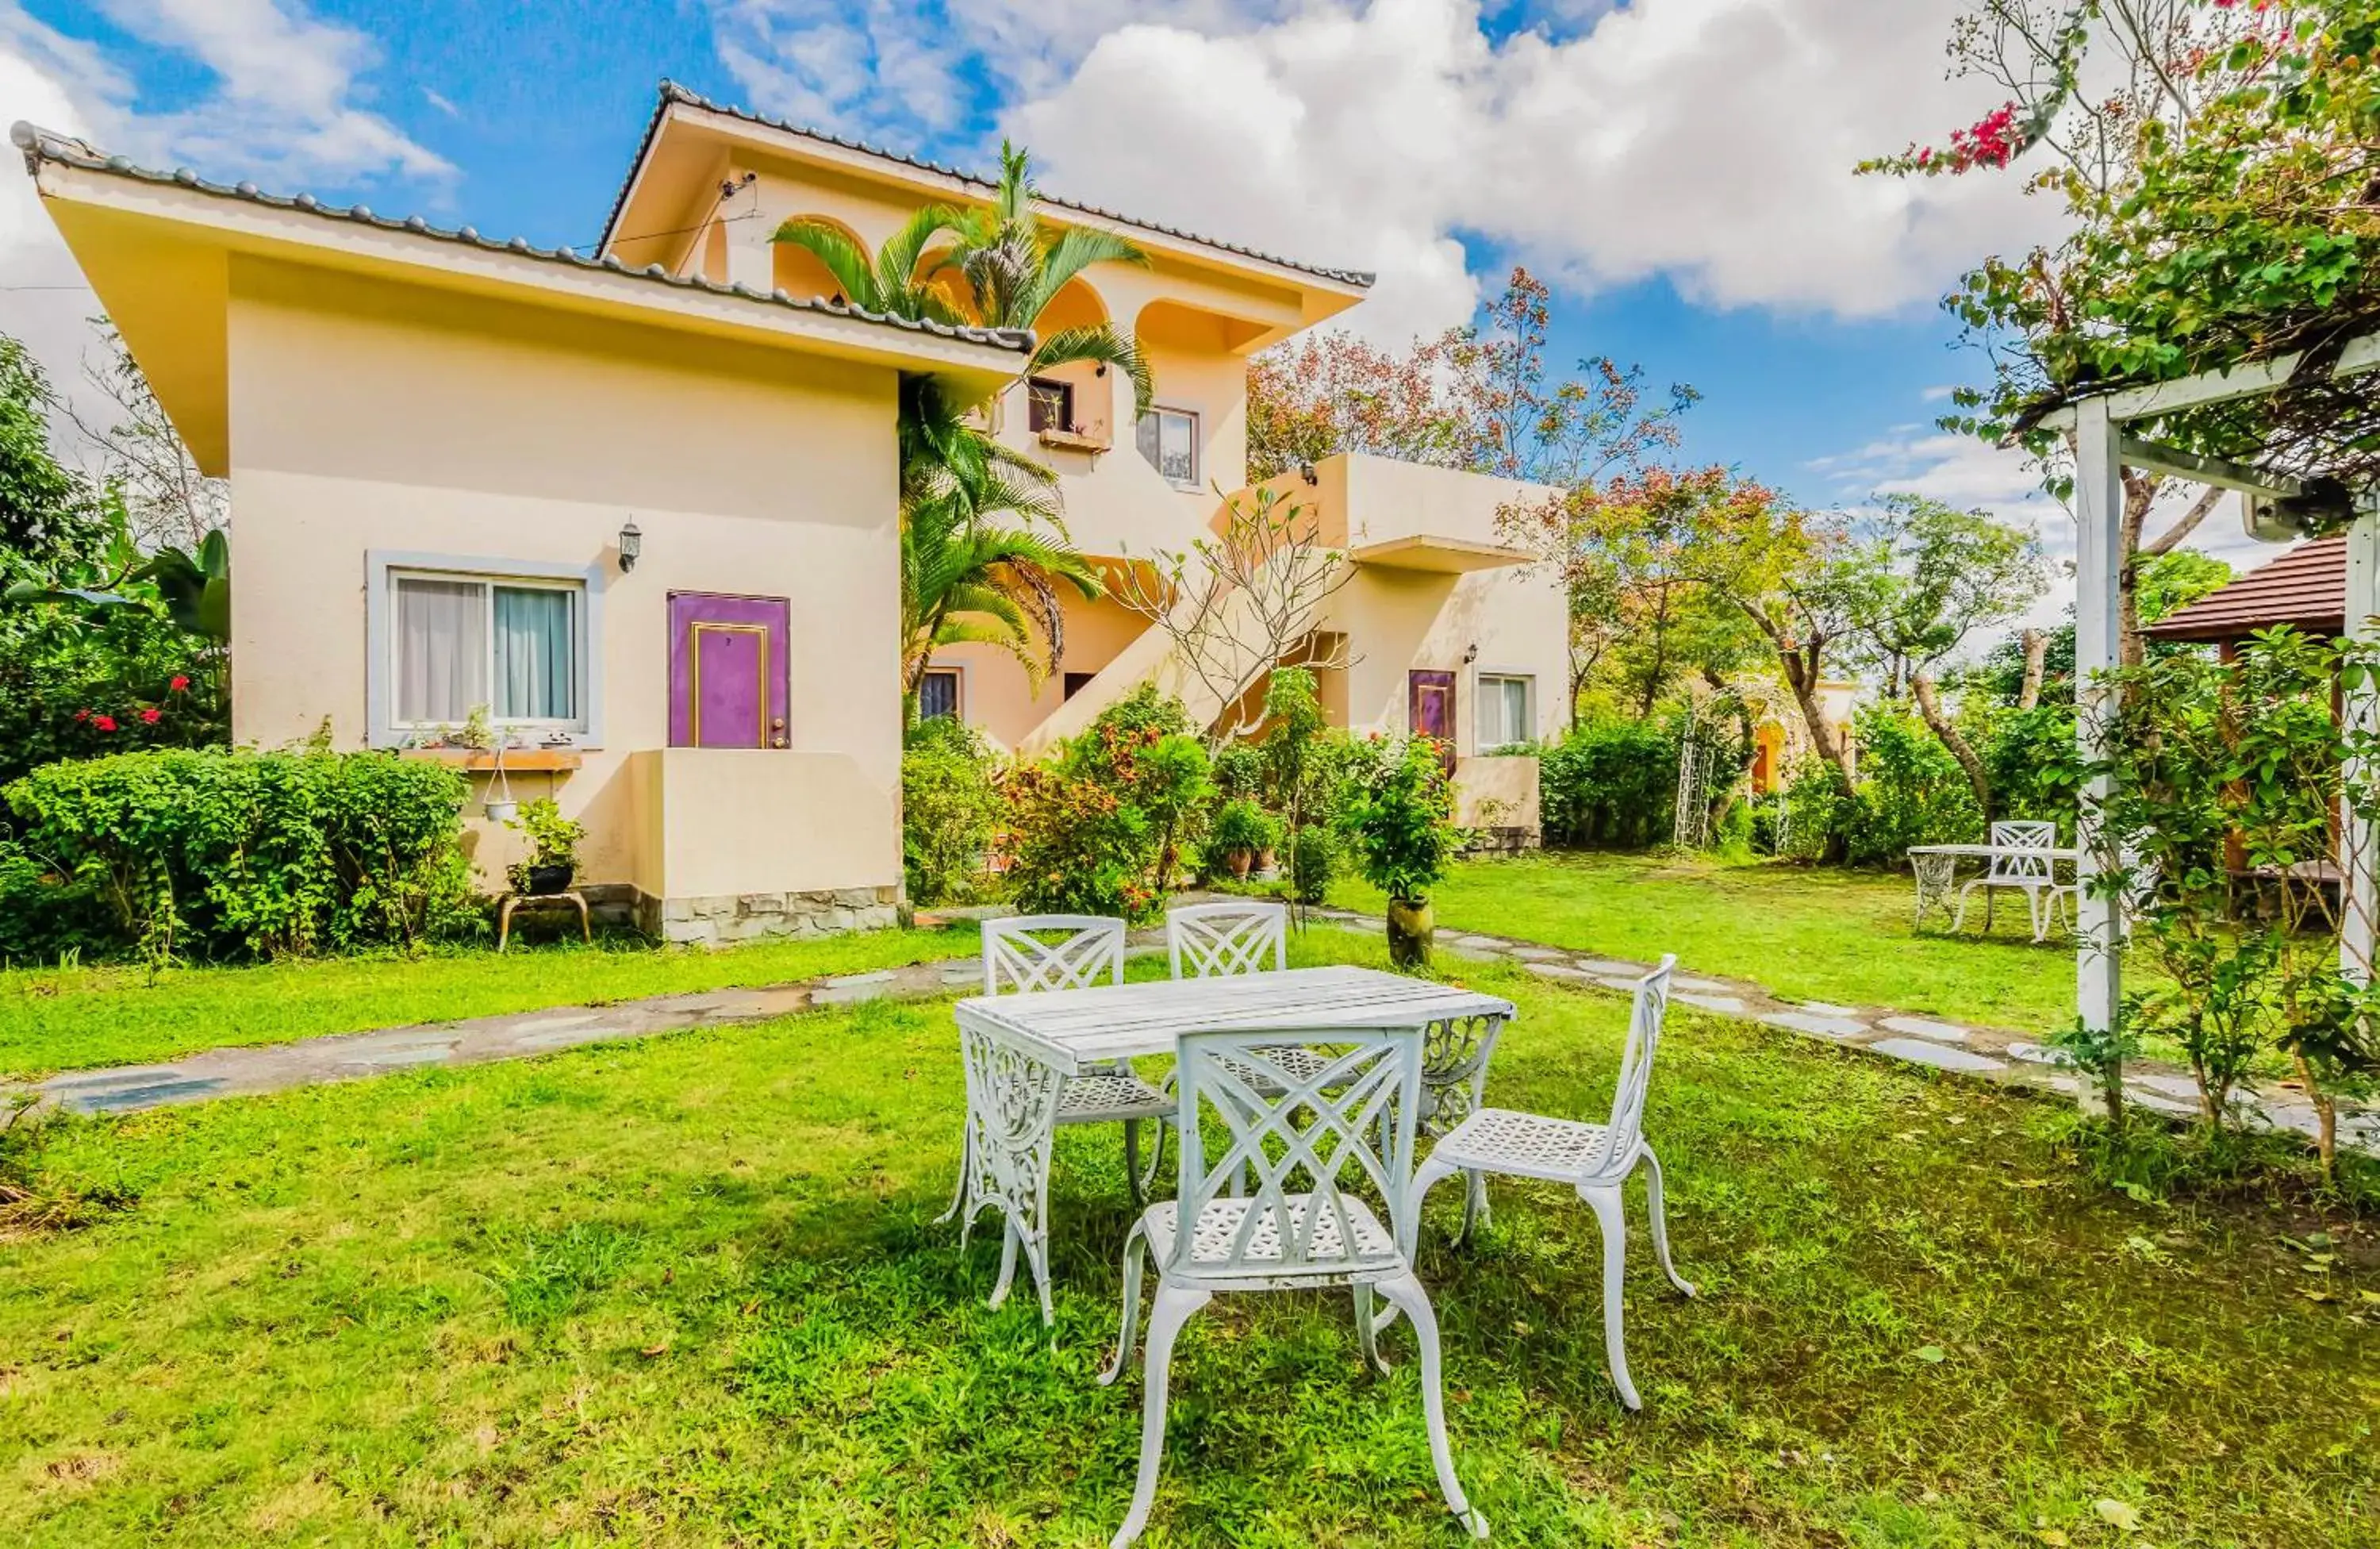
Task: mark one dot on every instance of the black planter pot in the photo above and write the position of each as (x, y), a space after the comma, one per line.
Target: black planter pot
(544, 880)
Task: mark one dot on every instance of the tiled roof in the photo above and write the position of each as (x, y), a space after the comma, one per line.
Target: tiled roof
(672, 91)
(2306, 587)
(40, 144)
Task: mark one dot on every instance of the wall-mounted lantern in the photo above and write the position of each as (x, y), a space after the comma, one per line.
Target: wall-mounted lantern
(632, 543)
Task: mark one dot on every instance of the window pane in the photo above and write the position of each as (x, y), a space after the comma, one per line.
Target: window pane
(1516, 710)
(938, 695)
(442, 650)
(1503, 711)
(537, 653)
(1049, 405)
(1168, 440)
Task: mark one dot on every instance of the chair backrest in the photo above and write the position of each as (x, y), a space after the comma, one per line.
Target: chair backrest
(1622, 1136)
(1089, 949)
(1315, 1132)
(1208, 940)
(2010, 841)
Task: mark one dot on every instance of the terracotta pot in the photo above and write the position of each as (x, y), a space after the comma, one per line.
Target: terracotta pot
(1240, 860)
(1266, 861)
(1411, 928)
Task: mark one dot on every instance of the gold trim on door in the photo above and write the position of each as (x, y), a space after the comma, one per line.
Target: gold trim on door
(694, 679)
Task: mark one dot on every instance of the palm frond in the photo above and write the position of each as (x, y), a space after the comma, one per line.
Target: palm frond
(843, 258)
(900, 257)
(1070, 255)
(1101, 343)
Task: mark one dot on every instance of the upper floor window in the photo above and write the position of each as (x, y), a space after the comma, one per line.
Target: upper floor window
(1049, 404)
(1504, 710)
(1169, 439)
(515, 645)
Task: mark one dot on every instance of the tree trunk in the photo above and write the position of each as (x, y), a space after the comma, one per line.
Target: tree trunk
(1930, 704)
(1801, 664)
(2037, 659)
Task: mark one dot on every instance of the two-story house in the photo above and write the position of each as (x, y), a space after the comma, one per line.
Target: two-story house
(638, 505)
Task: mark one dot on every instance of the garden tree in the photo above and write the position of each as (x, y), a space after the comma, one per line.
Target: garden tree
(1622, 549)
(169, 503)
(47, 513)
(1798, 578)
(1933, 576)
(1479, 397)
(2020, 666)
(1238, 604)
(2101, 98)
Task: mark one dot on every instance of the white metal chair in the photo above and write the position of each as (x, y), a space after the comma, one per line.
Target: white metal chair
(1595, 1159)
(2015, 865)
(1226, 938)
(1088, 950)
(1305, 1134)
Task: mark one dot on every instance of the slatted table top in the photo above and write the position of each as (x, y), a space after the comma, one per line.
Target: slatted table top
(1070, 1029)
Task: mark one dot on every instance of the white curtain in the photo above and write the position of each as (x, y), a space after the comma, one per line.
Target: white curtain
(442, 650)
(1503, 711)
(537, 672)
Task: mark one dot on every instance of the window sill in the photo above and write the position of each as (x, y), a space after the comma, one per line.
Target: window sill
(1072, 441)
(517, 760)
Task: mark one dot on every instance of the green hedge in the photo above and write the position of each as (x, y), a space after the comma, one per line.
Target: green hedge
(228, 854)
(1610, 782)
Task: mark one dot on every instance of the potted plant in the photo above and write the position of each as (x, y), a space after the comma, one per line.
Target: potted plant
(1399, 821)
(1240, 829)
(553, 854)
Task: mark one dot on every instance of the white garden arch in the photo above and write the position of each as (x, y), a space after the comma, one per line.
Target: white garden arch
(2104, 446)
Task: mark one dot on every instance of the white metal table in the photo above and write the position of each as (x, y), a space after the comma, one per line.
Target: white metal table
(1019, 1050)
(1936, 869)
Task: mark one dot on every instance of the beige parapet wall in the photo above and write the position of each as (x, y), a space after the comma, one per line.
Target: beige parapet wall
(1497, 792)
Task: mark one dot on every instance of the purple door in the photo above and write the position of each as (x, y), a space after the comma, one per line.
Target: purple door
(727, 670)
(1430, 711)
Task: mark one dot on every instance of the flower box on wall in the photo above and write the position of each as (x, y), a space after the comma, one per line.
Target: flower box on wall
(517, 760)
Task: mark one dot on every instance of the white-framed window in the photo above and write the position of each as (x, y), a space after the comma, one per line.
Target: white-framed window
(1506, 710)
(938, 694)
(1169, 439)
(515, 644)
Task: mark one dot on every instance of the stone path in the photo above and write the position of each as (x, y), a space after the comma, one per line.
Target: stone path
(1992, 1054)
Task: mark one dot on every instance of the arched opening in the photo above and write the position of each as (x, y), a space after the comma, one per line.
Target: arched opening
(798, 273)
(1073, 405)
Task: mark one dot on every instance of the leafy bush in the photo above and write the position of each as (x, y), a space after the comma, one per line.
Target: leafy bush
(1240, 772)
(1101, 829)
(1313, 860)
(1910, 791)
(950, 810)
(1242, 825)
(2031, 759)
(1814, 814)
(214, 853)
(1399, 820)
(1610, 782)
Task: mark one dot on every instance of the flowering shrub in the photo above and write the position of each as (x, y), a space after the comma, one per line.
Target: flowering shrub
(1101, 830)
(949, 810)
(221, 854)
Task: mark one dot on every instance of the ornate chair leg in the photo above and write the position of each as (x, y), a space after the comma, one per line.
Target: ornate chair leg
(966, 1178)
(1368, 1325)
(1172, 1308)
(1132, 1163)
(1661, 1224)
(1606, 1204)
(1135, 1246)
(1475, 1202)
(1406, 1292)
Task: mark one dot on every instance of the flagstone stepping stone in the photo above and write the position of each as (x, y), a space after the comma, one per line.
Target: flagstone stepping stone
(1917, 1051)
(2038, 1054)
(1558, 971)
(878, 976)
(155, 1094)
(1728, 1005)
(1820, 1009)
(1626, 986)
(1940, 1032)
(2158, 1102)
(1703, 986)
(1630, 970)
(2171, 1086)
(1823, 1026)
(1539, 953)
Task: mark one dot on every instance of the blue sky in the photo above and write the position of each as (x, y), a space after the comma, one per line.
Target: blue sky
(1677, 168)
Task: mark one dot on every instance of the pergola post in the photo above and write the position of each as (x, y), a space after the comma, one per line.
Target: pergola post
(2359, 843)
(2098, 515)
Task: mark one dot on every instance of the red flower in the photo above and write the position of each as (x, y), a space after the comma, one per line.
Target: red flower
(178, 684)
(104, 722)
(150, 717)
(82, 714)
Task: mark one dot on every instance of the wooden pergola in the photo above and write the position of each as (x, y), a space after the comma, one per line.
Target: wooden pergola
(2104, 446)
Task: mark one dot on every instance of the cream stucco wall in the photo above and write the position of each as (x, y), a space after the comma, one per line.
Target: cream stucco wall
(371, 416)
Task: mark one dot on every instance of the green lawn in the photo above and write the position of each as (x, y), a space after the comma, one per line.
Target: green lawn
(1804, 933)
(685, 1292)
(64, 1019)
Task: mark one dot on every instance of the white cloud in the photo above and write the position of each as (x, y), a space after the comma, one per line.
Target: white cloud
(1710, 141)
(288, 105)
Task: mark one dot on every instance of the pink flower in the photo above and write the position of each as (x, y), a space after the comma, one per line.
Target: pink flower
(151, 716)
(104, 722)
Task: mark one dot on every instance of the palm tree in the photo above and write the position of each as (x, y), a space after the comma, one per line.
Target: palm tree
(900, 281)
(1014, 272)
(966, 574)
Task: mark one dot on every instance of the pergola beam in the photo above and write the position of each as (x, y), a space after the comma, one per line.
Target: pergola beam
(2150, 457)
(2245, 381)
